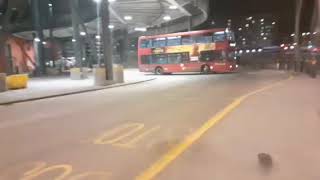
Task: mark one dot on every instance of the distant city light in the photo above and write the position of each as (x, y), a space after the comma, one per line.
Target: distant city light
(308, 33)
(111, 26)
(73, 40)
(261, 20)
(303, 34)
(314, 33)
(265, 38)
(83, 33)
(111, 1)
(98, 37)
(310, 46)
(253, 51)
(240, 51)
(37, 39)
(240, 29)
(97, 1)
(294, 44)
(233, 44)
(282, 45)
(247, 25)
(285, 48)
(50, 5)
(262, 34)
(259, 50)
(291, 47)
(292, 35)
(243, 39)
(253, 21)
(128, 18)
(247, 51)
(249, 18)
(273, 23)
(44, 43)
(229, 20)
(167, 18)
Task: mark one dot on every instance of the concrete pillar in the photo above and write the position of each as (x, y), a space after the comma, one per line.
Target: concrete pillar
(3, 61)
(36, 17)
(77, 45)
(190, 23)
(297, 31)
(124, 43)
(106, 39)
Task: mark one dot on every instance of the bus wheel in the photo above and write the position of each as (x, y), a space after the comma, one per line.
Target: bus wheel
(205, 69)
(159, 71)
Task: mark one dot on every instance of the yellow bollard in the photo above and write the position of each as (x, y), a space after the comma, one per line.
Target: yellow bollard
(18, 81)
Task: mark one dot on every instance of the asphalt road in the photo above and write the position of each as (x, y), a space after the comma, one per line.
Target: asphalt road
(118, 133)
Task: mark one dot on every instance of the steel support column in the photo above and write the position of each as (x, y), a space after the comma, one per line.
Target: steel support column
(106, 39)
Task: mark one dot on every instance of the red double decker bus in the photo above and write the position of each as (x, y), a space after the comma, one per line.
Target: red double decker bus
(203, 51)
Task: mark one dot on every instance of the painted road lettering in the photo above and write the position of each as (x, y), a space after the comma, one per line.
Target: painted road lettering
(63, 172)
(127, 135)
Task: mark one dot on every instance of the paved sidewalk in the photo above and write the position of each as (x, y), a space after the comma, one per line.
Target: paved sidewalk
(283, 121)
(47, 87)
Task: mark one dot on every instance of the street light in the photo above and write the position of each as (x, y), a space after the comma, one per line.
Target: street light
(167, 18)
(128, 18)
(83, 33)
(173, 7)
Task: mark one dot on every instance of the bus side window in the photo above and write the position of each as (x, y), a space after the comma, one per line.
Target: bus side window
(176, 58)
(159, 59)
(185, 56)
(145, 59)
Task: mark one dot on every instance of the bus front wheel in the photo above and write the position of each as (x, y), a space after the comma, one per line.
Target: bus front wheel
(205, 69)
(159, 71)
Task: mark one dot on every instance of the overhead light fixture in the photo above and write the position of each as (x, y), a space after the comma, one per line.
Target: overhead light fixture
(111, 26)
(83, 33)
(173, 7)
(142, 29)
(50, 5)
(37, 39)
(128, 18)
(167, 18)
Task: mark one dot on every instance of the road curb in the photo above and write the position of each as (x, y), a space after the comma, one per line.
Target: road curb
(73, 93)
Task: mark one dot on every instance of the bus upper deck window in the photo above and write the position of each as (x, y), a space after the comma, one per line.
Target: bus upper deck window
(146, 44)
(159, 42)
(219, 36)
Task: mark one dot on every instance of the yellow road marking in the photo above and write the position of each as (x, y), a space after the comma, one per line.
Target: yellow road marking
(92, 175)
(125, 136)
(133, 141)
(66, 171)
(115, 133)
(177, 150)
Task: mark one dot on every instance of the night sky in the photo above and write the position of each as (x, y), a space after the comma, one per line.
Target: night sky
(283, 9)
